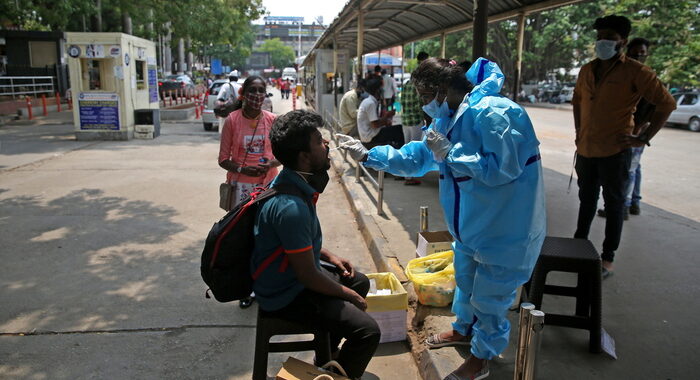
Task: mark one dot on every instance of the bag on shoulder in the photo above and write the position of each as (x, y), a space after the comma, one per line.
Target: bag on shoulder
(225, 108)
(225, 266)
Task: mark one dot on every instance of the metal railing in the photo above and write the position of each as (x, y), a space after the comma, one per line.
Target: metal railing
(333, 126)
(529, 340)
(19, 87)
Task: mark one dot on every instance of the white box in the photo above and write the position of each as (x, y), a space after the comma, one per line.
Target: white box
(389, 311)
(143, 135)
(144, 128)
(433, 242)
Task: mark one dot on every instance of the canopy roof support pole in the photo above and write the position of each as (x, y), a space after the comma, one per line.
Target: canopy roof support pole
(519, 61)
(335, 75)
(481, 20)
(443, 43)
(360, 40)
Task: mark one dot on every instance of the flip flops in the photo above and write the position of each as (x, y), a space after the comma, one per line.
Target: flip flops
(434, 341)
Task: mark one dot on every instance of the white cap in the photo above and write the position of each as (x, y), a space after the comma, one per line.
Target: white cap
(234, 73)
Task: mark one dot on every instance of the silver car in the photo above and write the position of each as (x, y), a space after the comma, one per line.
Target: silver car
(210, 120)
(688, 110)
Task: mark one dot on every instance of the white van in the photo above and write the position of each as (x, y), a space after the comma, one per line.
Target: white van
(289, 73)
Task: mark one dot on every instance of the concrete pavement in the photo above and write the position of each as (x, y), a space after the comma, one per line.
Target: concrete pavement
(101, 245)
(649, 307)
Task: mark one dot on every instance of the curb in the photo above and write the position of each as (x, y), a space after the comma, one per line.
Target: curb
(376, 243)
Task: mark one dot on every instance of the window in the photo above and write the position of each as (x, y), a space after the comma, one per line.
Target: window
(689, 99)
(92, 78)
(140, 75)
(42, 53)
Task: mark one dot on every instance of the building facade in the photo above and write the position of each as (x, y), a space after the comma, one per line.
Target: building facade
(291, 31)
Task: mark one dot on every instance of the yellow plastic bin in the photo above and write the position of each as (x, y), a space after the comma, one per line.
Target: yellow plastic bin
(433, 278)
(391, 310)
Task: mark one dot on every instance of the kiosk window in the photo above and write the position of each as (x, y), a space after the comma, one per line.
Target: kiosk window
(92, 74)
(140, 75)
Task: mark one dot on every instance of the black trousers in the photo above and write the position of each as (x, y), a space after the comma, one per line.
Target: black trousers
(392, 135)
(342, 319)
(611, 173)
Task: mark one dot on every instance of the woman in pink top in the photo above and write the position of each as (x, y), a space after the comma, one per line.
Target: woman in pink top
(245, 151)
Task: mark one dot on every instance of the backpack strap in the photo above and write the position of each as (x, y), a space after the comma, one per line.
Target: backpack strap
(282, 188)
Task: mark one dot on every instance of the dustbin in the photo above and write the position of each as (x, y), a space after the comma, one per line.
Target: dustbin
(149, 116)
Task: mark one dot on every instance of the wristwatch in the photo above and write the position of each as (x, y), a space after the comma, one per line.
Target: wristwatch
(239, 169)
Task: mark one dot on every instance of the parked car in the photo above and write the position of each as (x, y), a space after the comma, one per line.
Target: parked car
(173, 83)
(687, 112)
(566, 94)
(209, 120)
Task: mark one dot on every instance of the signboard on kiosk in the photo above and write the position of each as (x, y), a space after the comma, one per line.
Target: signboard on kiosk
(99, 111)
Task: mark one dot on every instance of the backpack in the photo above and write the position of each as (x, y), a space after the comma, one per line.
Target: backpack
(225, 266)
(225, 108)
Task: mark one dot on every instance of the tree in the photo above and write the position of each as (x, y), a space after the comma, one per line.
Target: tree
(281, 55)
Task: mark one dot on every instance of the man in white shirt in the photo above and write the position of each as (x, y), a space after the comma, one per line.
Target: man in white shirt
(375, 129)
(389, 90)
(228, 91)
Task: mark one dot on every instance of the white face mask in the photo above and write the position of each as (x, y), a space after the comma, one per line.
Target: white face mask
(605, 49)
(437, 110)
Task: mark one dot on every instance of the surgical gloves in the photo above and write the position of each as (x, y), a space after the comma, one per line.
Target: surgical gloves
(438, 144)
(353, 146)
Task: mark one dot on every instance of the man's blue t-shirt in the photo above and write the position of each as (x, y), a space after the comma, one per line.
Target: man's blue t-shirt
(284, 221)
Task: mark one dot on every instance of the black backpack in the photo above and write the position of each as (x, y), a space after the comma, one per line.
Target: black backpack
(227, 251)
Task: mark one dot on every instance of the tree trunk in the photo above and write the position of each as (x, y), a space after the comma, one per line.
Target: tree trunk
(96, 19)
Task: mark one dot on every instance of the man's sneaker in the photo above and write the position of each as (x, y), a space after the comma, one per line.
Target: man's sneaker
(601, 212)
(634, 209)
(626, 213)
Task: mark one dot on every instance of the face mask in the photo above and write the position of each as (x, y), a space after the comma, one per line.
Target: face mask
(605, 49)
(437, 111)
(364, 95)
(319, 180)
(254, 101)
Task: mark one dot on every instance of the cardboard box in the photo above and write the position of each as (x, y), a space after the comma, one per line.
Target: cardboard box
(390, 311)
(295, 369)
(433, 242)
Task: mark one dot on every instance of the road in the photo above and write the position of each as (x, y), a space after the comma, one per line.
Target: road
(670, 173)
(100, 248)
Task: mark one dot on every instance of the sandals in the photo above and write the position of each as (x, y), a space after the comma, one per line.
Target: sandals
(481, 374)
(434, 341)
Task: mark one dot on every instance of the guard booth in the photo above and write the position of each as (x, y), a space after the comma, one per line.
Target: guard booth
(332, 78)
(114, 86)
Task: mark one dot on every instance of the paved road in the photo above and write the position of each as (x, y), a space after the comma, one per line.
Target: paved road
(100, 251)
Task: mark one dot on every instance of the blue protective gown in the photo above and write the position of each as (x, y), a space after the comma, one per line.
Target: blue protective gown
(492, 194)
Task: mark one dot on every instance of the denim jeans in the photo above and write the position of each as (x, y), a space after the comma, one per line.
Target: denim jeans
(635, 178)
(612, 174)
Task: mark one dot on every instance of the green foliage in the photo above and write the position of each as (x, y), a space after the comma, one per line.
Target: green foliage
(563, 38)
(281, 55)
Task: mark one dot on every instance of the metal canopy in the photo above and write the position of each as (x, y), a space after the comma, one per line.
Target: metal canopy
(389, 23)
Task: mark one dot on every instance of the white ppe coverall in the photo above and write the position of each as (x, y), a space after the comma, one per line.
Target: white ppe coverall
(492, 194)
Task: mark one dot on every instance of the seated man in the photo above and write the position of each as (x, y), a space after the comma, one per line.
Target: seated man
(296, 286)
(347, 111)
(374, 126)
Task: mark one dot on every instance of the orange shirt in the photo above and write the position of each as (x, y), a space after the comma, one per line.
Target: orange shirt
(607, 106)
(237, 136)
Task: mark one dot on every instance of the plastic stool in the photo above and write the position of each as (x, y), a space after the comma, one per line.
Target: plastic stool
(269, 326)
(574, 256)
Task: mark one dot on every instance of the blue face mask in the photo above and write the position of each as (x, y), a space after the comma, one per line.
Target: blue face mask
(605, 49)
(363, 95)
(437, 110)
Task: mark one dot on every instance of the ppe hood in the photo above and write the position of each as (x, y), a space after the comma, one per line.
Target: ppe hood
(487, 77)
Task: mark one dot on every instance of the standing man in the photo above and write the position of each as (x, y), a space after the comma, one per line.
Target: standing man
(374, 127)
(638, 49)
(388, 90)
(348, 109)
(606, 94)
(412, 117)
(229, 91)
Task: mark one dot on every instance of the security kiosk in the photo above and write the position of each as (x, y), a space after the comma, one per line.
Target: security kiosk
(113, 79)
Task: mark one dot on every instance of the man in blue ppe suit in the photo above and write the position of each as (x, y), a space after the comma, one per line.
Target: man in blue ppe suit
(491, 191)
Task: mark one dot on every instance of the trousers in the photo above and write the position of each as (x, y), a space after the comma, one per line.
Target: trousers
(612, 174)
(342, 319)
(483, 295)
